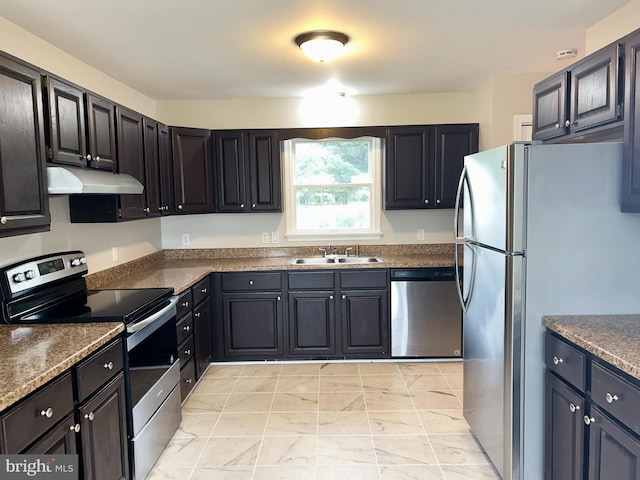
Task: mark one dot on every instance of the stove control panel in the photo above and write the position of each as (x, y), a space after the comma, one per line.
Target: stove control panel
(40, 271)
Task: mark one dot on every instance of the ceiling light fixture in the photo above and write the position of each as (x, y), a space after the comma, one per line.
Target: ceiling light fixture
(321, 45)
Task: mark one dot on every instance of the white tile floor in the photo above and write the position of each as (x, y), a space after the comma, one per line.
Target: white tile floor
(325, 421)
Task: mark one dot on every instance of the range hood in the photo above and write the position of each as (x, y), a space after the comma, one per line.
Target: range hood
(70, 180)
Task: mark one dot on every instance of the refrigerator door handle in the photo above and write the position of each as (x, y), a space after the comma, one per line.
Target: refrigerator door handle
(464, 302)
(464, 180)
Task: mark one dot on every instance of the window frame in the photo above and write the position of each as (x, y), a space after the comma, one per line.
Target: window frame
(376, 161)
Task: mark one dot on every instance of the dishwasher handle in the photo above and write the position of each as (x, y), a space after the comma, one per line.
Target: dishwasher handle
(438, 274)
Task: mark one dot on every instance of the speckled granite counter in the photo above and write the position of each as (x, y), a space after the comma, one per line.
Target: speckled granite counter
(33, 355)
(613, 338)
(181, 269)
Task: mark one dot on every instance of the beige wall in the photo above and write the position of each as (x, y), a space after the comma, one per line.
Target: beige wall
(616, 25)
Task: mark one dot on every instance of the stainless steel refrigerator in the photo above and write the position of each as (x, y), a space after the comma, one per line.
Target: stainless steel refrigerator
(541, 233)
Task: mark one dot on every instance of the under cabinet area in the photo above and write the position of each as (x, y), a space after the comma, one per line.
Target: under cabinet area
(591, 420)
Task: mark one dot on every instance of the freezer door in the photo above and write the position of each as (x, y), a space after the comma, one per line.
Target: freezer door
(491, 338)
(493, 191)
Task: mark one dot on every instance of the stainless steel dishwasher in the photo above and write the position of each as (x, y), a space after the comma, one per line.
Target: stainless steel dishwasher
(426, 318)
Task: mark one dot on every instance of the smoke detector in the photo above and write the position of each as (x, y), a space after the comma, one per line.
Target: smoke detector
(566, 54)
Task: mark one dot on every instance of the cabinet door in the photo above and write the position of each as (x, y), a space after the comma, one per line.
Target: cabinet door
(101, 127)
(166, 178)
(409, 168)
(631, 170)
(59, 441)
(264, 171)
(103, 427)
(312, 323)
(202, 326)
(365, 322)
(192, 170)
(550, 107)
(67, 142)
(452, 143)
(151, 167)
(253, 325)
(613, 452)
(22, 151)
(595, 90)
(230, 172)
(131, 158)
(564, 430)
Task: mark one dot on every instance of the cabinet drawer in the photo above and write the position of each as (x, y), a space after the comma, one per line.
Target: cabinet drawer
(615, 395)
(187, 379)
(201, 291)
(184, 328)
(185, 303)
(251, 282)
(565, 360)
(34, 416)
(99, 369)
(185, 351)
(360, 279)
(310, 280)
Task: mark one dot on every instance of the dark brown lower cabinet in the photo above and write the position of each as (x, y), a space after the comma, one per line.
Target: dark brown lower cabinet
(614, 453)
(365, 322)
(59, 441)
(253, 325)
(312, 323)
(202, 325)
(564, 445)
(103, 426)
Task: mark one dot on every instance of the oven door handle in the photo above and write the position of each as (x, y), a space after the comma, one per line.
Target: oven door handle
(143, 323)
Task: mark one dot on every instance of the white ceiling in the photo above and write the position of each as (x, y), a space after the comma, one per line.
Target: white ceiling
(207, 49)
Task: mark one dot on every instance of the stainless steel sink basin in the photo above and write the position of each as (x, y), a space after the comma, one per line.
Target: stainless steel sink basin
(338, 260)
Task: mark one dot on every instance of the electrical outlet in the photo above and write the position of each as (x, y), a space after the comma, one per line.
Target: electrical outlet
(421, 234)
(114, 253)
(185, 239)
(265, 237)
(275, 238)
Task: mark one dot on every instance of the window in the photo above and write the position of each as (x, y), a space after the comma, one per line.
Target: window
(333, 187)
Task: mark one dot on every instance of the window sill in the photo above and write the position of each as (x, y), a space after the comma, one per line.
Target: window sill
(333, 236)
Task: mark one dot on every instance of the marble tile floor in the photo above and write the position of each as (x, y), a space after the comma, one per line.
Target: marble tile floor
(325, 421)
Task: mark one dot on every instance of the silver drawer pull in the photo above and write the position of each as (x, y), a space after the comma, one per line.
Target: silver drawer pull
(558, 360)
(47, 413)
(204, 290)
(108, 366)
(187, 352)
(75, 428)
(611, 398)
(188, 380)
(187, 328)
(90, 416)
(185, 304)
(250, 282)
(573, 407)
(589, 420)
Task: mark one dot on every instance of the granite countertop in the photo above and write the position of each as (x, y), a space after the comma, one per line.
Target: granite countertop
(180, 269)
(613, 338)
(35, 354)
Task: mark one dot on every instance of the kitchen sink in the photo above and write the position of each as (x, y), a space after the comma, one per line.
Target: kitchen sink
(334, 260)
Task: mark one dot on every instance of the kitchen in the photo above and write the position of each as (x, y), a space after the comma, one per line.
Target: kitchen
(494, 104)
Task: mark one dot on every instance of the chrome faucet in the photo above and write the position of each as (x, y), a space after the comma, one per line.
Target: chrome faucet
(346, 252)
(324, 251)
(333, 250)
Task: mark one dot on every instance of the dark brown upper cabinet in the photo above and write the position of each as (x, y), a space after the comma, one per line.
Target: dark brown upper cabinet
(586, 96)
(24, 205)
(424, 162)
(192, 170)
(130, 141)
(101, 133)
(247, 171)
(631, 171)
(157, 166)
(81, 126)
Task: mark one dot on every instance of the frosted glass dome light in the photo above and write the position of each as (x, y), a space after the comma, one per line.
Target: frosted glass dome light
(322, 45)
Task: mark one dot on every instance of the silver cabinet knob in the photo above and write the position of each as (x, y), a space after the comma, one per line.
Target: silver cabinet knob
(438, 201)
(204, 290)
(558, 360)
(47, 413)
(89, 156)
(75, 428)
(253, 205)
(557, 126)
(567, 123)
(279, 298)
(188, 380)
(187, 351)
(179, 207)
(330, 297)
(611, 398)
(185, 304)
(242, 205)
(573, 407)
(250, 282)
(90, 416)
(97, 158)
(344, 297)
(197, 315)
(589, 420)
(3, 220)
(108, 366)
(426, 201)
(187, 328)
